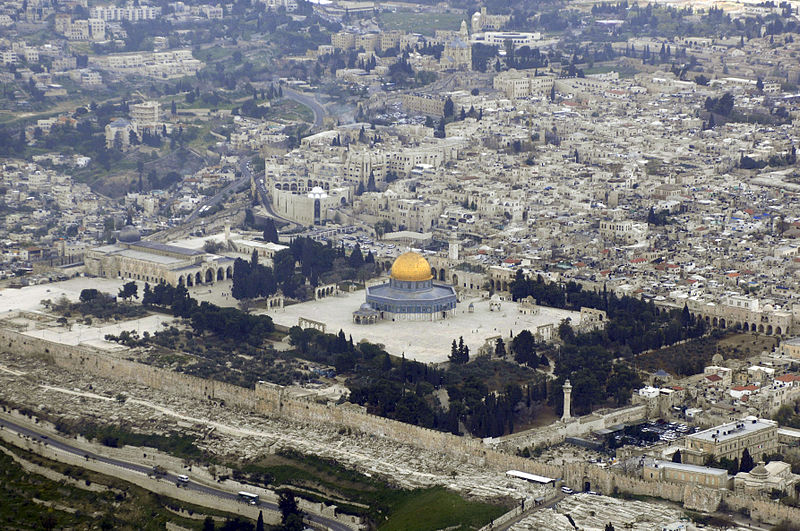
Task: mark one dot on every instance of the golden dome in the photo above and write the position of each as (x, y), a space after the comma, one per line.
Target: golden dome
(411, 267)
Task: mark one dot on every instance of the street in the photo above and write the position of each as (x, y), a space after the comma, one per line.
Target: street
(147, 470)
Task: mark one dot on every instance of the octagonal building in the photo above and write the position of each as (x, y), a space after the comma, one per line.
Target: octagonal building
(410, 294)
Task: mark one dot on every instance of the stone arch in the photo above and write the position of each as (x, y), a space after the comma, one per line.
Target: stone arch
(190, 280)
(229, 272)
(505, 286)
(278, 186)
(293, 187)
(455, 280)
(343, 201)
(722, 323)
(310, 183)
(285, 187)
(220, 274)
(198, 278)
(769, 330)
(738, 325)
(778, 331)
(752, 327)
(714, 322)
(708, 320)
(180, 280)
(433, 272)
(761, 328)
(209, 276)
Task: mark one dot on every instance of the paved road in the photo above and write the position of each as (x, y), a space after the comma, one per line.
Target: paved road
(261, 193)
(308, 101)
(212, 201)
(549, 505)
(191, 485)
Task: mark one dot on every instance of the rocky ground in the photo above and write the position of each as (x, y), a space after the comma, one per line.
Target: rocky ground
(592, 512)
(74, 396)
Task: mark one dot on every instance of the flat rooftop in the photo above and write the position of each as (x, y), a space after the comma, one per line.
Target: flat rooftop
(165, 248)
(732, 430)
(692, 468)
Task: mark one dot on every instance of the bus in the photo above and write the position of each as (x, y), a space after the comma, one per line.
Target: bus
(248, 497)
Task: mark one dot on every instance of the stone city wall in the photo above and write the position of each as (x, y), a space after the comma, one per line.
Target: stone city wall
(760, 509)
(268, 399)
(556, 433)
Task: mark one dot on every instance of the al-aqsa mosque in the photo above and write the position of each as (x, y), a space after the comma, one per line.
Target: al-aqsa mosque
(410, 294)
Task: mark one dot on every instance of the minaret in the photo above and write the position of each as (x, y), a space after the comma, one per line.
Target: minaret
(567, 397)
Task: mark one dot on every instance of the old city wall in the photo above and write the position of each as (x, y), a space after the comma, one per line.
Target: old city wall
(577, 427)
(270, 400)
(79, 358)
(760, 509)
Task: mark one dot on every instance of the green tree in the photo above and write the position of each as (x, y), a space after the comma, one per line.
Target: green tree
(291, 516)
(449, 110)
(88, 294)
(747, 463)
(356, 259)
(523, 346)
(270, 232)
(500, 348)
(128, 290)
(565, 332)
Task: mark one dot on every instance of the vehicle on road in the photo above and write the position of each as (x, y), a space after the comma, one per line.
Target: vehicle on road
(183, 478)
(248, 497)
(567, 490)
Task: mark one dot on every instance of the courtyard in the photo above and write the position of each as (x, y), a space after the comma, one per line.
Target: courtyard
(424, 341)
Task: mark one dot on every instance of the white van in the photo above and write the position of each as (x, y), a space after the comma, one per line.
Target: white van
(183, 479)
(567, 490)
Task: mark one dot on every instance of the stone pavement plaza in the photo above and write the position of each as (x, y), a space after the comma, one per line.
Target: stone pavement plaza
(424, 341)
(28, 299)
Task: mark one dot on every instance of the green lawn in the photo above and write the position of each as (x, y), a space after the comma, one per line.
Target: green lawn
(388, 507)
(425, 23)
(438, 508)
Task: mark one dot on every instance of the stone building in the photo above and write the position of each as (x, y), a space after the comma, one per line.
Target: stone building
(118, 132)
(657, 470)
(133, 259)
(764, 478)
(145, 117)
(744, 313)
(729, 440)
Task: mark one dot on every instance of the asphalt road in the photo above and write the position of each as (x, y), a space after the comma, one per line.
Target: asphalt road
(308, 101)
(261, 192)
(216, 198)
(191, 485)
